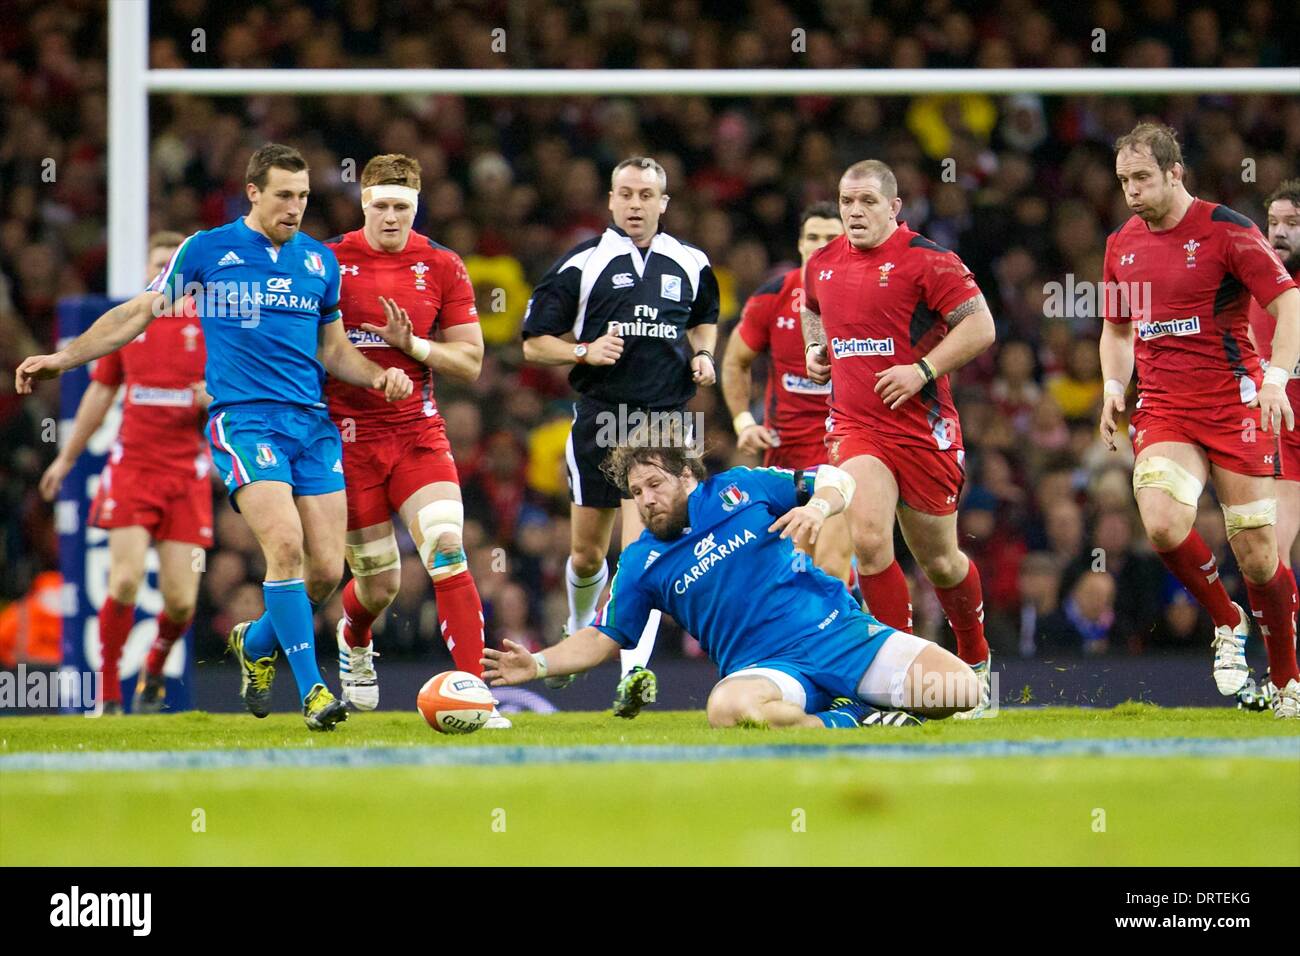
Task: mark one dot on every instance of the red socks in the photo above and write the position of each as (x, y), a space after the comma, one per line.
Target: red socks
(115, 622)
(1274, 606)
(460, 614)
(1193, 564)
(963, 604)
(168, 633)
(356, 619)
(887, 599)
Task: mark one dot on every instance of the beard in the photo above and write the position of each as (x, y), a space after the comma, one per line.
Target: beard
(668, 525)
(1290, 259)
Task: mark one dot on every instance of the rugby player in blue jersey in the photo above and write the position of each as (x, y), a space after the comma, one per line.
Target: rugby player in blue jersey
(268, 298)
(718, 554)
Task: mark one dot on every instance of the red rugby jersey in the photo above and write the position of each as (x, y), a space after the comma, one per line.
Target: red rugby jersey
(1188, 289)
(882, 307)
(1263, 326)
(429, 281)
(162, 423)
(795, 405)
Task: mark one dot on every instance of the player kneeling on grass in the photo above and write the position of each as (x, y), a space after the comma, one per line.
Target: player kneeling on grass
(718, 554)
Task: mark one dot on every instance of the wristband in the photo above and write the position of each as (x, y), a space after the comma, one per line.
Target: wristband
(1276, 375)
(822, 505)
(420, 348)
(542, 669)
(1114, 387)
(743, 421)
(705, 352)
(813, 345)
(926, 369)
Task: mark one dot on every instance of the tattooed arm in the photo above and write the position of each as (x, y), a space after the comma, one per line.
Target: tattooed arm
(817, 363)
(970, 332)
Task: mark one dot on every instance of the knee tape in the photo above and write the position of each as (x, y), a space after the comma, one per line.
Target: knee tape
(1170, 477)
(435, 519)
(1253, 514)
(374, 557)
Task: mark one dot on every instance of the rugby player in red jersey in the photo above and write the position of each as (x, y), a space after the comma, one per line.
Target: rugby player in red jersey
(1183, 271)
(155, 486)
(1283, 211)
(400, 290)
(795, 407)
(888, 315)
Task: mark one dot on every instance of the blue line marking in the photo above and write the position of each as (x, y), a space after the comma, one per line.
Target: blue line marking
(1272, 748)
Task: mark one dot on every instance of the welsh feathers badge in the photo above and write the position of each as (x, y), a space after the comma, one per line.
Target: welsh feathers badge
(733, 497)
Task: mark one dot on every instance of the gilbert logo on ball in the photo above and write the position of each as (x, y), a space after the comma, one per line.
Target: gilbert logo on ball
(455, 702)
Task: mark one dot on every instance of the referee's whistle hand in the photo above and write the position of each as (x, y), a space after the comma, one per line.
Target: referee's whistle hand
(702, 370)
(606, 350)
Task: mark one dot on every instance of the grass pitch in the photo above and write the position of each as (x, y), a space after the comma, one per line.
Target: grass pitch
(585, 788)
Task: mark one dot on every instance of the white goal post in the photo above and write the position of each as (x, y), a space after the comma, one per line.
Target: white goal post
(130, 82)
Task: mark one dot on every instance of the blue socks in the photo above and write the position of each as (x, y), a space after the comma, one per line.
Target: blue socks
(288, 618)
(259, 639)
(848, 714)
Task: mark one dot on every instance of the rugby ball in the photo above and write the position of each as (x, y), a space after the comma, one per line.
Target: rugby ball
(455, 702)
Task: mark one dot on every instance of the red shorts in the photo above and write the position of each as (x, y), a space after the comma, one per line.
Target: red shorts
(170, 506)
(796, 455)
(381, 473)
(929, 480)
(1290, 442)
(1230, 435)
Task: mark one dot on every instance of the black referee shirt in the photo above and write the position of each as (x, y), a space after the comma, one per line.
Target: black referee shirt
(653, 294)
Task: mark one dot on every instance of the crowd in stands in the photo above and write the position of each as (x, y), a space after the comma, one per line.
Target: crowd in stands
(1022, 187)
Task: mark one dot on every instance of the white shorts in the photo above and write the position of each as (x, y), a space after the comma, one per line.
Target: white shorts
(881, 685)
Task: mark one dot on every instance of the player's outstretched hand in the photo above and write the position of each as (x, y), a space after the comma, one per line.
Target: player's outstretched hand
(702, 370)
(817, 364)
(397, 330)
(37, 367)
(755, 438)
(394, 383)
(606, 350)
(898, 383)
(1274, 409)
(1110, 410)
(802, 524)
(513, 665)
(52, 480)
(201, 396)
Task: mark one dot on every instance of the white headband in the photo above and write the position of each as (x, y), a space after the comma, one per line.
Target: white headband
(390, 191)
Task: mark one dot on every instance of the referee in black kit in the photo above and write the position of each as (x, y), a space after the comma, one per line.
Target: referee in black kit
(636, 312)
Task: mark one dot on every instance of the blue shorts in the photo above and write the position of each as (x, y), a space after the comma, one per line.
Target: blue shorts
(832, 666)
(262, 441)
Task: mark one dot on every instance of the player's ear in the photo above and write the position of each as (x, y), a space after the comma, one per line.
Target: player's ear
(895, 206)
(663, 204)
(252, 192)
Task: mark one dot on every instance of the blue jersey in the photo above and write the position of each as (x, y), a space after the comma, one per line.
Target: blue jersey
(261, 309)
(741, 590)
